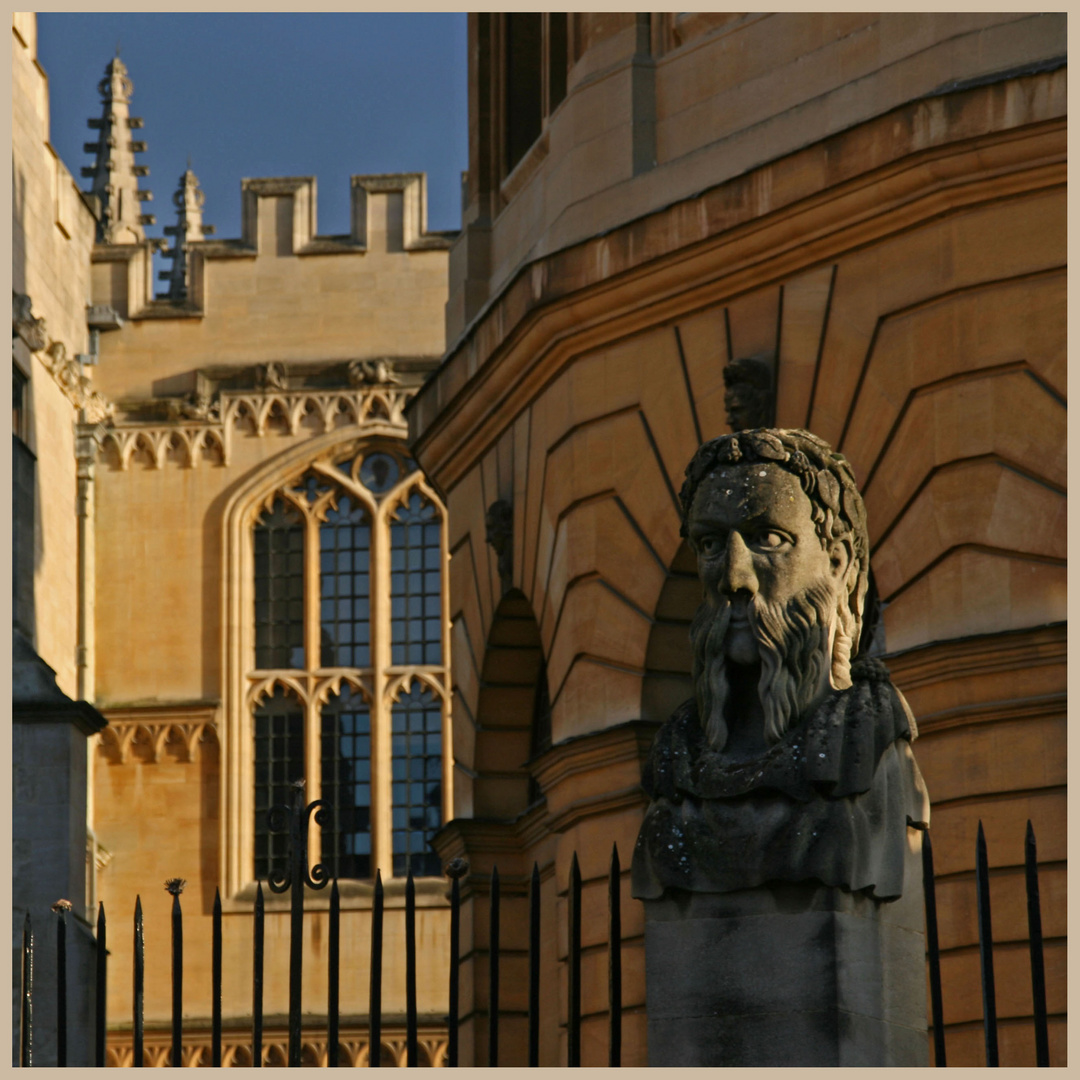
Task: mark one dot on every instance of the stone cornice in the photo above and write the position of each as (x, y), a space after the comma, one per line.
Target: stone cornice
(210, 426)
(81, 714)
(992, 712)
(923, 160)
(600, 749)
(983, 654)
(508, 843)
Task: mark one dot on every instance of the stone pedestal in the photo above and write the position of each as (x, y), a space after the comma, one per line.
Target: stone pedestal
(788, 975)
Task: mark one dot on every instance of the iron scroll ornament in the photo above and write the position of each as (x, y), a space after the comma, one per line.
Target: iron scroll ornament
(294, 820)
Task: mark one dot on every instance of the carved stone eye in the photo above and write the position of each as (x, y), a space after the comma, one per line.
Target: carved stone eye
(771, 540)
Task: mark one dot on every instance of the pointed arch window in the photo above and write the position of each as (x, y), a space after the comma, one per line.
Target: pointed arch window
(417, 749)
(347, 672)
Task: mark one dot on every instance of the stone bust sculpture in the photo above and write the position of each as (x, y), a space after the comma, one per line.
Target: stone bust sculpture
(792, 762)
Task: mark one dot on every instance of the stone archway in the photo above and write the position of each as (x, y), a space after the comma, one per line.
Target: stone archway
(667, 658)
(511, 711)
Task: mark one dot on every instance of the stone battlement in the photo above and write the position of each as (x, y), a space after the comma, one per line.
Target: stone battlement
(388, 218)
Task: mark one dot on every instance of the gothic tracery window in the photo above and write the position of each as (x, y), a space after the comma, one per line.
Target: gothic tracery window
(348, 676)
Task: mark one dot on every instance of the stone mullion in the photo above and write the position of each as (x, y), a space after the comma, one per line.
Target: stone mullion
(444, 672)
(312, 660)
(381, 811)
(239, 763)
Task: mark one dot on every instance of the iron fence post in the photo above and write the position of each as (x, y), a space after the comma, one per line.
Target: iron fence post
(137, 976)
(534, 967)
(175, 886)
(493, 971)
(986, 949)
(455, 869)
(614, 962)
(333, 1004)
(412, 1048)
(573, 1054)
(61, 908)
(99, 1003)
(26, 1019)
(933, 949)
(257, 980)
(1035, 944)
(295, 821)
(215, 984)
(375, 995)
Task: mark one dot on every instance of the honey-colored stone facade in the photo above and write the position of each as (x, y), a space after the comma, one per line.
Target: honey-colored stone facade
(52, 234)
(878, 201)
(275, 360)
(304, 350)
(875, 201)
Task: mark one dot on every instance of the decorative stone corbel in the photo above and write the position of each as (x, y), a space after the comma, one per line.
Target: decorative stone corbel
(24, 325)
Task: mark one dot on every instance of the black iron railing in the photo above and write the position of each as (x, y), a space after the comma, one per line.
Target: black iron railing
(986, 951)
(295, 820)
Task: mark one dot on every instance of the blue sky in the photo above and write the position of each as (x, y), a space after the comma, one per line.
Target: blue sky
(324, 95)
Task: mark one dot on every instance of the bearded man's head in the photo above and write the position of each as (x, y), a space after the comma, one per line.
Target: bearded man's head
(779, 530)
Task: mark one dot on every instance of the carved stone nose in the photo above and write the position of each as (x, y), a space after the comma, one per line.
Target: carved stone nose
(738, 567)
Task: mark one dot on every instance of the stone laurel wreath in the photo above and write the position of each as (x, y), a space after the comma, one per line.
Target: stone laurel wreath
(826, 477)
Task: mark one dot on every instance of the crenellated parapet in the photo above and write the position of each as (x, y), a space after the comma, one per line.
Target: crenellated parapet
(279, 222)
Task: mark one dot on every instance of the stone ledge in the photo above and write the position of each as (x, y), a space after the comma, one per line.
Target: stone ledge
(80, 713)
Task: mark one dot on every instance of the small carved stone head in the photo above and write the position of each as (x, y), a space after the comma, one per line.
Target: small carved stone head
(499, 523)
(749, 395)
(779, 530)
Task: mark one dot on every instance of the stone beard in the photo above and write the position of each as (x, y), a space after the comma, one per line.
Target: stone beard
(793, 643)
(792, 762)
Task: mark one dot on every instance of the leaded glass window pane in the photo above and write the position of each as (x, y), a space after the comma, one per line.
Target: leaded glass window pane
(379, 472)
(346, 785)
(279, 761)
(279, 588)
(416, 584)
(416, 781)
(345, 586)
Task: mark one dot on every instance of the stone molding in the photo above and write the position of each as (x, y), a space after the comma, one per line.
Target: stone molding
(958, 152)
(257, 412)
(155, 727)
(983, 654)
(1037, 708)
(80, 714)
(585, 765)
(353, 1038)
